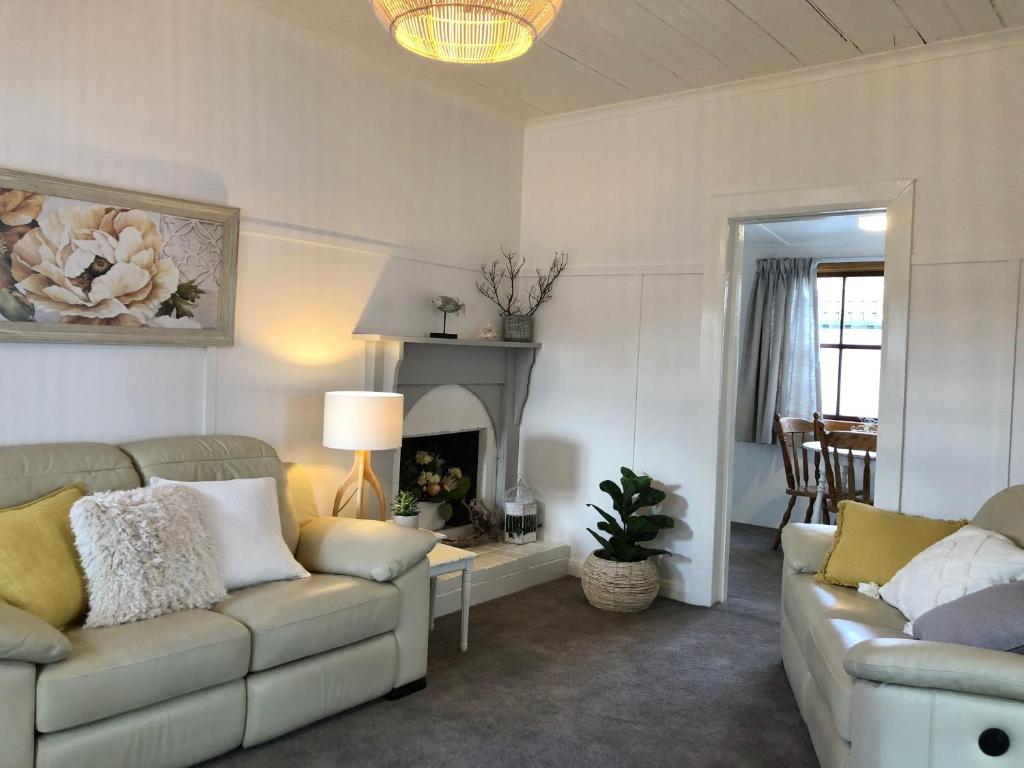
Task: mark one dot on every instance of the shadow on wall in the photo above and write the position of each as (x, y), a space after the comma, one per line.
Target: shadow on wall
(675, 506)
(759, 483)
(120, 169)
(400, 302)
(550, 464)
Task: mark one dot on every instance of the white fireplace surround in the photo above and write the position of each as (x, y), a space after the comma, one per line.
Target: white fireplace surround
(452, 408)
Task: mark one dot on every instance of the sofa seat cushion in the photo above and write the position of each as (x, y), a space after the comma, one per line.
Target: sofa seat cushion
(807, 602)
(291, 620)
(112, 670)
(829, 640)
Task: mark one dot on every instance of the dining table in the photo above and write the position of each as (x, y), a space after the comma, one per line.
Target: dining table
(815, 445)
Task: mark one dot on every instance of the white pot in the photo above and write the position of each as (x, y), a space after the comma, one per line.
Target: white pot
(407, 521)
(429, 517)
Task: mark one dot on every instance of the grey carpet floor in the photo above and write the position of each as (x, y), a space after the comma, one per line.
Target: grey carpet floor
(550, 681)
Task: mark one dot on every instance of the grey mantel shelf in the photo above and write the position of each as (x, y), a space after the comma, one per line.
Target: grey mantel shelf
(446, 342)
(497, 372)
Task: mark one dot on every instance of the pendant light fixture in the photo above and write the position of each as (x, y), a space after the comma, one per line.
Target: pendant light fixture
(466, 31)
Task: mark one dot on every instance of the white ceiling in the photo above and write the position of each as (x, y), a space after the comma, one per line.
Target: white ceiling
(605, 51)
(835, 236)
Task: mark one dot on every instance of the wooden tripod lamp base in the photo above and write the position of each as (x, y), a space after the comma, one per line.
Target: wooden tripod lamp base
(352, 487)
(362, 422)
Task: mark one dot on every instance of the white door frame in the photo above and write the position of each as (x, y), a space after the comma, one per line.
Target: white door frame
(720, 334)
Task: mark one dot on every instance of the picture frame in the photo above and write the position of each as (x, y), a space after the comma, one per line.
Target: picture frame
(87, 263)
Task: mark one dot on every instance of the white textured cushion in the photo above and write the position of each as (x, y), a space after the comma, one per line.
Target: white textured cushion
(145, 552)
(960, 564)
(242, 517)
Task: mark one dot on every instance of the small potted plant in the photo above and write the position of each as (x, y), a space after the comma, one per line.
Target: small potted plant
(405, 509)
(435, 485)
(500, 283)
(622, 576)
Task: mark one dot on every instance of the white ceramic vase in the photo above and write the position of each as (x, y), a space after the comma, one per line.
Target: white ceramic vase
(407, 521)
(429, 517)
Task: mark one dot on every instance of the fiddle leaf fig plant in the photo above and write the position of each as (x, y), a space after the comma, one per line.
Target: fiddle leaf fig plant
(623, 536)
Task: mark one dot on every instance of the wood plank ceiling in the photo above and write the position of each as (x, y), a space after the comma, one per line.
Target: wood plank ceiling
(605, 51)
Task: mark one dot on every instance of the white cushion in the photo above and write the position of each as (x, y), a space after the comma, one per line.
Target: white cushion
(243, 518)
(962, 563)
(145, 552)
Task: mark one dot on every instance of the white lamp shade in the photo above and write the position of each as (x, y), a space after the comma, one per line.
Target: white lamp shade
(363, 421)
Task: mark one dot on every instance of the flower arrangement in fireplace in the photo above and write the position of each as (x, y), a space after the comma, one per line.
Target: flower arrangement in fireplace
(432, 480)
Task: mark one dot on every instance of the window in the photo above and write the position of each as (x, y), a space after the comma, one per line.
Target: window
(850, 338)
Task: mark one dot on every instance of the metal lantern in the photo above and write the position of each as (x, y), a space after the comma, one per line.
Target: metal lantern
(521, 519)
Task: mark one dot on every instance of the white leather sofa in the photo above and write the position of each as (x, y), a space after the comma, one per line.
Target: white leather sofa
(872, 697)
(181, 688)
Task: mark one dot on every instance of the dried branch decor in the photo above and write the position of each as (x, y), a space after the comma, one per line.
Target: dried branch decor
(500, 283)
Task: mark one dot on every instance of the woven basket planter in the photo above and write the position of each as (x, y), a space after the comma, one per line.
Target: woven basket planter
(517, 327)
(620, 587)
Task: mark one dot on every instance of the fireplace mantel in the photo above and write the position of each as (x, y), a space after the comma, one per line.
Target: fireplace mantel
(497, 372)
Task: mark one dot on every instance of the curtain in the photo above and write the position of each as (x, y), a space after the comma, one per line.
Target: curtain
(779, 349)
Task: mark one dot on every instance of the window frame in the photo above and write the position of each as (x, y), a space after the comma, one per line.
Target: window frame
(846, 269)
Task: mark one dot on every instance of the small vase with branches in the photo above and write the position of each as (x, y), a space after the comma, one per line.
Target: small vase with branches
(500, 283)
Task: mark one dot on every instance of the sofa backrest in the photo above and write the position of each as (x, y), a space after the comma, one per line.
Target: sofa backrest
(30, 471)
(215, 457)
(1004, 513)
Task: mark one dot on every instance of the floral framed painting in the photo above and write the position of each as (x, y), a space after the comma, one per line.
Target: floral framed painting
(85, 263)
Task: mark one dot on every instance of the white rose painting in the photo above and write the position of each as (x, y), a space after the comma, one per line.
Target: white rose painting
(75, 267)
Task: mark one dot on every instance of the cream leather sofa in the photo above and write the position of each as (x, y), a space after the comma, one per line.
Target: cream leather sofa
(872, 697)
(181, 688)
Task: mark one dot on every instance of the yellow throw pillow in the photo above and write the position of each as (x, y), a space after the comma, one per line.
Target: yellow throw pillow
(871, 544)
(39, 568)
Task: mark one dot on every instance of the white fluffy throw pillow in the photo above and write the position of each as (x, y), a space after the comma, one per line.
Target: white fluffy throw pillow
(242, 516)
(145, 552)
(964, 562)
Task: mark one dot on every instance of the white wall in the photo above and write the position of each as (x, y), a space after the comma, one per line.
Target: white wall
(630, 188)
(611, 388)
(362, 195)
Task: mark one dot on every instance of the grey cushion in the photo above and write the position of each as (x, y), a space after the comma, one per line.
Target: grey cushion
(290, 620)
(118, 669)
(989, 618)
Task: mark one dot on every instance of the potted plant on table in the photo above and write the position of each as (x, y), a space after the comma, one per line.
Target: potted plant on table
(405, 509)
(622, 575)
(500, 283)
(435, 486)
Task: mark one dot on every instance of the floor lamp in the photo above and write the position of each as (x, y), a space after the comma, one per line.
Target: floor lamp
(362, 422)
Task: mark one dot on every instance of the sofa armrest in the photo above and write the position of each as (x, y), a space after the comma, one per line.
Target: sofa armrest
(805, 545)
(924, 664)
(25, 637)
(366, 548)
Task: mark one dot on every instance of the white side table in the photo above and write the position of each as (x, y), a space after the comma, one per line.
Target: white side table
(447, 559)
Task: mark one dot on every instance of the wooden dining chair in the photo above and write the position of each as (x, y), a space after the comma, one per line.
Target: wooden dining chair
(792, 433)
(833, 425)
(837, 449)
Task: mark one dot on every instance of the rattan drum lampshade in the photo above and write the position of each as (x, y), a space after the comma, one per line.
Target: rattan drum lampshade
(466, 31)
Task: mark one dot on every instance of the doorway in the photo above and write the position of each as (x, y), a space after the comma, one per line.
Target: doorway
(811, 342)
(721, 322)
